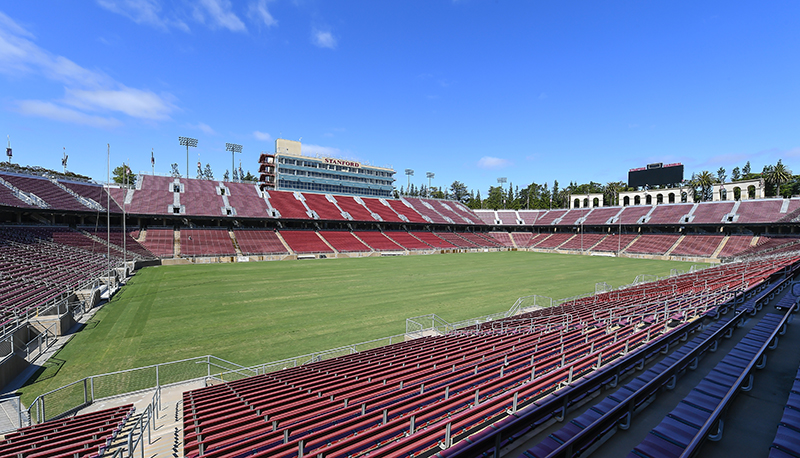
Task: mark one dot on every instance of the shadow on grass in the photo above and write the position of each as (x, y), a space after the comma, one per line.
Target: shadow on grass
(46, 371)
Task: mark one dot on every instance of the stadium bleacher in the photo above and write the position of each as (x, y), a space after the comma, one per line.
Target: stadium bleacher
(698, 245)
(305, 242)
(396, 400)
(554, 241)
(502, 238)
(354, 208)
(206, 242)
(632, 215)
(669, 214)
(322, 206)
(657, 244)
(50, 193)
(761, 211)
(344, 241)
(582, 242)
(247, 201)
(573, 217)
(88, 435)
(426, 210)
(259, 241)
(601, 216)
(711, 212)
(407, 240)
(160, 242)
(531, 217)
(288, 205)
(378, 241)
(433, 240)
(614, 242)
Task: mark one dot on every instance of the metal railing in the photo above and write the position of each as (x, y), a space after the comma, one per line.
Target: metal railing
(70, 398)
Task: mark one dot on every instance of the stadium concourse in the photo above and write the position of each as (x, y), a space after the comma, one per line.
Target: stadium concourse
(561, 380)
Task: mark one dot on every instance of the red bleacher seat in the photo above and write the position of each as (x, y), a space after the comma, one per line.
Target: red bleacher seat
(407, 240)
(711, 212)
(289, 206)
(206, 242)
(653, 243)
(344, 241)
(160, 242)
(354, 208)
(378, 241)
(326, 209)
(304, 242)
(697, 245)
(259, 241)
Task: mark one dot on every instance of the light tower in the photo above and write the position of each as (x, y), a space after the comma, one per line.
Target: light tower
(409, 174)
(500, 182)
(187, 141)
(233, 148)
(430, 176)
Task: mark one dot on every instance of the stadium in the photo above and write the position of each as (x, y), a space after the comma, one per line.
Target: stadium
(660, 365)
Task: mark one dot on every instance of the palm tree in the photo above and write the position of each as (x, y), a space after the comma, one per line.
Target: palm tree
(611, 192)
(705, 181)
(777, 175)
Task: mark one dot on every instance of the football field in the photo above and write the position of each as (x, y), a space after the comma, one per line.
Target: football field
(251, 313)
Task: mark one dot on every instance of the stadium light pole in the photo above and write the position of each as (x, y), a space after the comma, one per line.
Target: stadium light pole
(430, 176)
(233, 148)
(501, 181)
(187, 141)
(409, 174)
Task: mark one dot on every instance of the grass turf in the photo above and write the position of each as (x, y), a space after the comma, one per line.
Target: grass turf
(251, 313)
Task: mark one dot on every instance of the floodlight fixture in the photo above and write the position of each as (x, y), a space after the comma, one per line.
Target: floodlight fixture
(187, 141)
(233, 148)
(502, 180)
(409, 174)
(430, 176)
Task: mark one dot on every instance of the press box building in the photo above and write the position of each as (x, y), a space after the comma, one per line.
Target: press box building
(287, 169)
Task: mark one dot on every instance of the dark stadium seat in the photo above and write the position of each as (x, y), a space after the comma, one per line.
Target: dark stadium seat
(81, 436)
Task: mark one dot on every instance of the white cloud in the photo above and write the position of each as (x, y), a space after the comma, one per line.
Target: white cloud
(219, 14)
(86, 90)
(140, 12)
(52, 111)
(258, 11)
(263, 136)
(203, 127)
(489, 162)
(133, 102)
(323, 39)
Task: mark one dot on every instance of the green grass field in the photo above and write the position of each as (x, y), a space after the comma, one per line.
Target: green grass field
(251, 313)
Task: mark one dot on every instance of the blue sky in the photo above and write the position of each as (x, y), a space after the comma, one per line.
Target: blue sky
(471, 90)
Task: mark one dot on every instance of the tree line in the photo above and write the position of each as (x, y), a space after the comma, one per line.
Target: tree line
(778, 180)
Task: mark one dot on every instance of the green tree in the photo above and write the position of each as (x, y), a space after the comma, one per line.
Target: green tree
(226, 176)
(746, 169)
(721, 175)
(477, 202)
(175, 172)
(248, 177)
(703, 183)
(207, 173)
(458, 191)
(119, 175)
(777, 175)
(611, 192)
(736, 174)
(495, 198)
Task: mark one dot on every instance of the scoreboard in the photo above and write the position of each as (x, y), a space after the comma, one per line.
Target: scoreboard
(655, 174)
